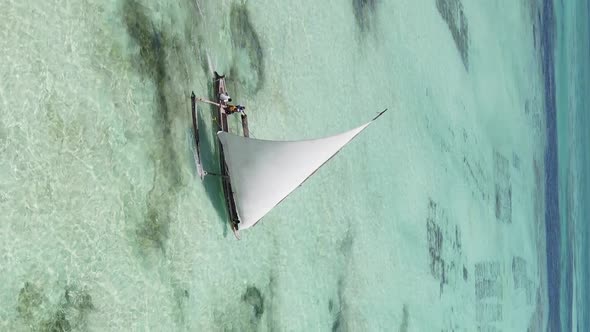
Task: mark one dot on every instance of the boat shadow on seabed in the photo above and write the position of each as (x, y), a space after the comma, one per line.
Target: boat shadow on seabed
(209, 155)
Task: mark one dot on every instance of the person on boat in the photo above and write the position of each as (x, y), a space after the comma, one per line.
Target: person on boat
(224, 97)
(231, 109)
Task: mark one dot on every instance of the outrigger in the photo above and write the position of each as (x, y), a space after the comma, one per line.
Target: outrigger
(258, 174)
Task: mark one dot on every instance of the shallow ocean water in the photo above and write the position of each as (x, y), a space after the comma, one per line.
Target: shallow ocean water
(572, 75)
(431, 219)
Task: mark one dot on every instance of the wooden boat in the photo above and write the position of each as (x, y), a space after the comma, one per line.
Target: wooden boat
(259, 174)
(225, 179)
(222, 126)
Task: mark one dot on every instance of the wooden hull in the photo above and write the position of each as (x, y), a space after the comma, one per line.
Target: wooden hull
(222, 126)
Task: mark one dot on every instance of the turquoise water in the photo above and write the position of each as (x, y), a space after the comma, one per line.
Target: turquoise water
(432, 219)
(572, 76)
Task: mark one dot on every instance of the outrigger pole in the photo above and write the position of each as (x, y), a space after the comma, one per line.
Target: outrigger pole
(210, 102)
(244, 117)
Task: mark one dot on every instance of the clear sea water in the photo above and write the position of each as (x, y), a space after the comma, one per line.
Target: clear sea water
(572, 77)
(462, 208)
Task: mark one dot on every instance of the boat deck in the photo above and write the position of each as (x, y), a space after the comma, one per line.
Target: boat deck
(223, 126)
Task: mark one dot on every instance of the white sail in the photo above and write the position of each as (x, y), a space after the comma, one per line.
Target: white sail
(262, 173)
